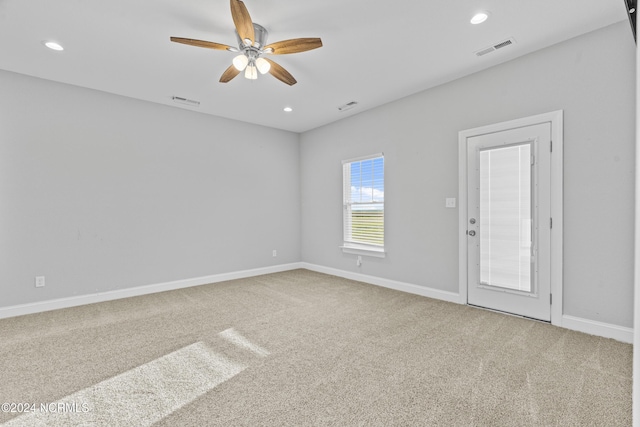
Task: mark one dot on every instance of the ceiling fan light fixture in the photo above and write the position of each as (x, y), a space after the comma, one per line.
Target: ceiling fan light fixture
(252, 44)
(251, 72)
(240, 62)
(263, 65)
(479, 18)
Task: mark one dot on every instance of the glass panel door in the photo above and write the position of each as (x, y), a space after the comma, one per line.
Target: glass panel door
(508, 220)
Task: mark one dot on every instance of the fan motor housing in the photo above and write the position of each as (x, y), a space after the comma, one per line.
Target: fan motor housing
(260, 41)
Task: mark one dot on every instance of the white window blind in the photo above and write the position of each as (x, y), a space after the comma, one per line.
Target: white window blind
(363, 189)
(506, 217)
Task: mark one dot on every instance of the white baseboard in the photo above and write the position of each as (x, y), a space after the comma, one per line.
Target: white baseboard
(592, 327)
(387, 283)
(37, 307)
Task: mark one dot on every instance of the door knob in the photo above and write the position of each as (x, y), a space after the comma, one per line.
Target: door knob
(472, 233)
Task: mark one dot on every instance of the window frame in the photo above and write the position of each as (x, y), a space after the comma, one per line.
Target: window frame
(348, 245)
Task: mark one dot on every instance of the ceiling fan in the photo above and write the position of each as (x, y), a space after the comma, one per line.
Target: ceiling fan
(251, 46)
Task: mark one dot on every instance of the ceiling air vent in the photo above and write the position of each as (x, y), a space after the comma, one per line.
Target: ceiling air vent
(185, 101)
(347, 106)
(495, 47)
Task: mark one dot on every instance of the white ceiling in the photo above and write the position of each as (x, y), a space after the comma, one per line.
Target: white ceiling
(374, 51)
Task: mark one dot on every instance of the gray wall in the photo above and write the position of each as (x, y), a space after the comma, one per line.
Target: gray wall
(100, 192)
(591, 78)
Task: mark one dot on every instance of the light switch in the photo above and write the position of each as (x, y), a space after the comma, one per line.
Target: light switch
(450, 202)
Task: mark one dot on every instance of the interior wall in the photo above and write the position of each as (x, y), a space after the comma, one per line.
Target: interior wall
(100, 192)
(591, 78)
(636, 319)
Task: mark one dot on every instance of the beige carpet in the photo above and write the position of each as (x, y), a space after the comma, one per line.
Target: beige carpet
(301, 348)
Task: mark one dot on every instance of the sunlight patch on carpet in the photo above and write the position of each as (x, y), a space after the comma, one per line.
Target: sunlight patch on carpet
(232, 336)
(140, 396)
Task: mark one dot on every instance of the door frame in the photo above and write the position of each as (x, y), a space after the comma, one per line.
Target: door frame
(556, 120)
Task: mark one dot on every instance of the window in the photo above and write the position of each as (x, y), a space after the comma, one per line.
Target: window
(363, 190)
(506, 216)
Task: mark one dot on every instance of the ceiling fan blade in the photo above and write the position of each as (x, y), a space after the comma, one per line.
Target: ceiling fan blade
(202, 43)
(242, 20)
(294, 45)
(280, 73)
(229, 74)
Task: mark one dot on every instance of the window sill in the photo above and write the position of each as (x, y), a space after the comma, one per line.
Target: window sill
(364, 250)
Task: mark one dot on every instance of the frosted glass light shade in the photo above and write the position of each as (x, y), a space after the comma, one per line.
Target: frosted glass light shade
(240, 62)
(263, 65)
(251, 72)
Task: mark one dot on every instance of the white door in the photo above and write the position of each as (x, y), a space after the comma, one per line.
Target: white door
(509, 220)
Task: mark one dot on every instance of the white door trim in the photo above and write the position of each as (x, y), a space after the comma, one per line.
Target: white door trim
(556, 120)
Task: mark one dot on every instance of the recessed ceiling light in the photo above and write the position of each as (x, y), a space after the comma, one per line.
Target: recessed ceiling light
(53, 46)
(288, 109)
(479, 18)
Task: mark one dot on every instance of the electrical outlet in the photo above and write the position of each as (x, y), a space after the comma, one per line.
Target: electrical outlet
(450, 202)
(359, 261)
(275, 253)
(39, 281)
